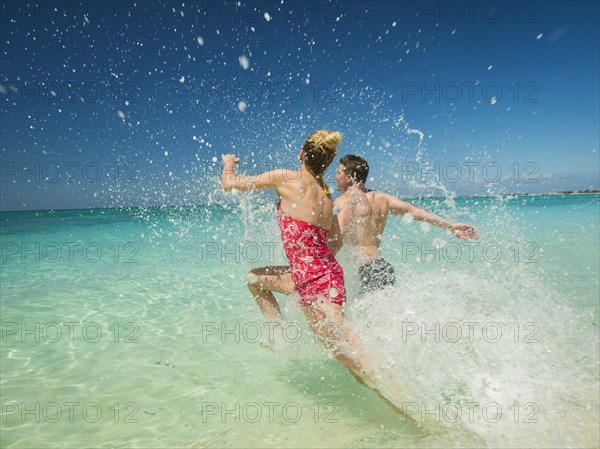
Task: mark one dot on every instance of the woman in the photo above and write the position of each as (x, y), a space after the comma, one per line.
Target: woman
(308, 226)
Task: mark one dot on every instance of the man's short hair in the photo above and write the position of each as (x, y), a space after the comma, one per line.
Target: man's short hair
(356, 166)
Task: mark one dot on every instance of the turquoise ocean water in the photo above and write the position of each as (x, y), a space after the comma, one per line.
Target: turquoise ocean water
(134, 328)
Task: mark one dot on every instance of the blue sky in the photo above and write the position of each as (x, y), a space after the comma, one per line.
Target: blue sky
(109, 104)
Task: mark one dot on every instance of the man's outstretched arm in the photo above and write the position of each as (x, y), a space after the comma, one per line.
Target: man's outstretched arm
(398, 207)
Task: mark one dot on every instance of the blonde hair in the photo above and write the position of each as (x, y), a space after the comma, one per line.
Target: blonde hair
(319, 150)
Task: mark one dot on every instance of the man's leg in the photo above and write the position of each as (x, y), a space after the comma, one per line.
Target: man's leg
(263, 281)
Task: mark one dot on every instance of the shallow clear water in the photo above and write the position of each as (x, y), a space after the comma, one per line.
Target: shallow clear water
(134, 328)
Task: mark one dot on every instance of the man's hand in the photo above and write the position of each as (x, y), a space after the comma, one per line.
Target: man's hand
(464, 231)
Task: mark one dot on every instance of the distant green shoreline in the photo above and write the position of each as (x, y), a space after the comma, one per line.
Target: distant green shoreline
(513, 195)
(567, 192)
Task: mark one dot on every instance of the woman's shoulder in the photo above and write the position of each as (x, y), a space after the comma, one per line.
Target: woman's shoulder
(290, 175)
(281, 175)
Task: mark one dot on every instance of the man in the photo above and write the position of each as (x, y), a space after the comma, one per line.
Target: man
(362, 215)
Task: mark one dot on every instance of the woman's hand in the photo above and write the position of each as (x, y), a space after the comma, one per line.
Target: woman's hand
(464, 231)
(228, 178)
(230, 160)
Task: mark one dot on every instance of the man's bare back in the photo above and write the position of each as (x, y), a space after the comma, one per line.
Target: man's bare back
(357, 222)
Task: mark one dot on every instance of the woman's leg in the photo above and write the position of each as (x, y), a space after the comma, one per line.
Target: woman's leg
(263, 281)
(327, 320)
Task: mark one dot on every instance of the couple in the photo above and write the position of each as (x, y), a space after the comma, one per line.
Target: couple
(313, 228)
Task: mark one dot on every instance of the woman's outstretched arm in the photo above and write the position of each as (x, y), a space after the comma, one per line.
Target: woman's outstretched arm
(231, 180)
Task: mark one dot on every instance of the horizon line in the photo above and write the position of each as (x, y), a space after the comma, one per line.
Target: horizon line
(564, 192)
